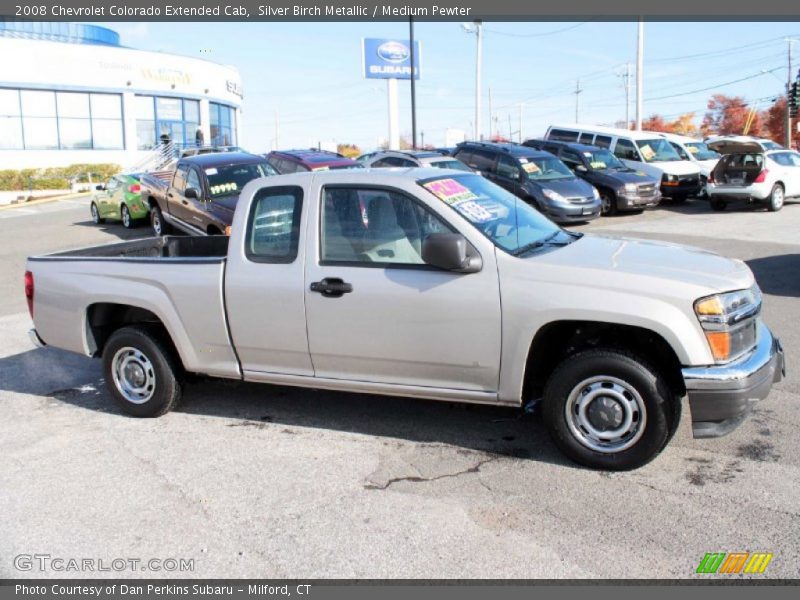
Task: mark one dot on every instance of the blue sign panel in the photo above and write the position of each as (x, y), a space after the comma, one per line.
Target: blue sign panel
(389, 59)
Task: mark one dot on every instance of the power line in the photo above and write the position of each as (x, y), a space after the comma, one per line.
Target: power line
(534, 35)
(705, 89)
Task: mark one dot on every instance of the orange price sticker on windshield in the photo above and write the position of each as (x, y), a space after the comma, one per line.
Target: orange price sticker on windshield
(449, 190)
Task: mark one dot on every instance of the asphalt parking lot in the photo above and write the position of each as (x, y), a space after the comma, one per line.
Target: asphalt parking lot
(263, 481)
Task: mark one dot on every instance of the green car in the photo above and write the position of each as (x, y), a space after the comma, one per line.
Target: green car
(120, 200)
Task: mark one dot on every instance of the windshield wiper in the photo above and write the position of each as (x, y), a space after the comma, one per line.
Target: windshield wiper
(540, 243)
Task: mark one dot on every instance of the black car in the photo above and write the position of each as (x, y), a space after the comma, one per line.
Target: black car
(537, 177)
(621, 188)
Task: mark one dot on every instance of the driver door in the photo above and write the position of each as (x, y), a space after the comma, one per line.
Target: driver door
(400, 322)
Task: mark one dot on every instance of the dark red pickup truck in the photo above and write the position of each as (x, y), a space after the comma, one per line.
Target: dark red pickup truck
(199, 197)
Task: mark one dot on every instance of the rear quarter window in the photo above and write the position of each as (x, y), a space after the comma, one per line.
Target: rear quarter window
(563, 135)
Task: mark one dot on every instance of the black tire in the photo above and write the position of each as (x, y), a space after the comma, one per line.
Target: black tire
(96, 218)
(126, 218)
(776, 198)
(153, 367)
(679, 199)
(608, 203)
(717, 204)
(601, 375)
(160, 226)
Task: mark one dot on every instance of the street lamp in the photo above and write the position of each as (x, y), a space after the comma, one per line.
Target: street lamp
(477, 29)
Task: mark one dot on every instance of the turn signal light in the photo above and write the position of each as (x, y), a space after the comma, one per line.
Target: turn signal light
(761, 177)
(228, 231)
(720, 344)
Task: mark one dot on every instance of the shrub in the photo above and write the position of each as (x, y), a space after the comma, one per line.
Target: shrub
(54, 178)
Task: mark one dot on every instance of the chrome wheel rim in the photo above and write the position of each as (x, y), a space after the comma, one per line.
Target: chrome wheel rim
(605, 414)
(777, 197)
(95, 215)
(605, 203)
(156, 223)
(126, 216)
(133, 374)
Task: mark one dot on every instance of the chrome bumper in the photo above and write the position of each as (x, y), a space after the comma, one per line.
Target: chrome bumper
(35, 339)
(720, 397)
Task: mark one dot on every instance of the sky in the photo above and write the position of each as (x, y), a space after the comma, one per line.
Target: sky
(309, 74)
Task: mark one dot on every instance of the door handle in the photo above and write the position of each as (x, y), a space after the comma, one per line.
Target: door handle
(184, 202)
(169, 195)
(331, 287)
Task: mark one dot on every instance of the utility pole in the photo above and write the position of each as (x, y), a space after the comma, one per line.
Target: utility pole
(789, 42)
(510, 132)
(577, 92)
(520, 122)
(422, 137)
(639, 74)
(478, 65)
(490, 114)
(413, 84)
(277, 146)
(626, 78)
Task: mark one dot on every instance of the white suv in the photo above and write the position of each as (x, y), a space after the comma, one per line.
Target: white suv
(751, 174)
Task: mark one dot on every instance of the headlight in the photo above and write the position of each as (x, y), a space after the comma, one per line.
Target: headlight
(726, 321)
(554, 196)
(631, 188)
(668, 177)
(595, 193)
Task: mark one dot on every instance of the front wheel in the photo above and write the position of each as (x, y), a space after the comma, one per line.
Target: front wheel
(608, 203)
(141, 372)
(160, 227)
(608, 409)
(776, 198)
(96, 218)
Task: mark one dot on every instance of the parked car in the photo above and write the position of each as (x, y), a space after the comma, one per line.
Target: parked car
(414, 158)
(120, 199)
(539, 178)
(297, 161)
(605, 335)
(728, 144)
(639, 150)
(200, 196)
(747, 173)
(697, 152)
(620, 187)
(449, 150)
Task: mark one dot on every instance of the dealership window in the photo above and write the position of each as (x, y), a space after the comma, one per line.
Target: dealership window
(177, 118)
(48, 120)
(222, 124)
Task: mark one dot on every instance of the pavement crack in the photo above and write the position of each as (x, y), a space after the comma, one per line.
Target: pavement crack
(417, 479)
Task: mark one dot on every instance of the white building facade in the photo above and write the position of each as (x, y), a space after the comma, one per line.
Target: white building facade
(72, 94)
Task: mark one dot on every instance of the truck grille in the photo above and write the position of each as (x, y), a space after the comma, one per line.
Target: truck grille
(647, 189)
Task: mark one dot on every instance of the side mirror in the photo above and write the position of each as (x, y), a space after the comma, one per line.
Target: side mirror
(191, 193)
(581, 169)
(100, 188)
(451, 252)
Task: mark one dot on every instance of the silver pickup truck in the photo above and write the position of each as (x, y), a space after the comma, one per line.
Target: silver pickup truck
(428, 283)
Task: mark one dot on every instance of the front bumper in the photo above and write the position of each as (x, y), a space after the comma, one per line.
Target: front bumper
(681, 189)
(720, 397)
(573, 213)
(746, 193)
(33, 336)
(626, 201)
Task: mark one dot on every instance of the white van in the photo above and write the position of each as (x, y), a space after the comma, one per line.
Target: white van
(641, 150)
(696, 151)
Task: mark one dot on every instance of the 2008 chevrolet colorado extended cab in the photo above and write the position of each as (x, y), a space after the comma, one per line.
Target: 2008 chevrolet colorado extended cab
(429, 283)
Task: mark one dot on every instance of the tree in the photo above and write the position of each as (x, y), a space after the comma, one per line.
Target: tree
(655, 123)
(684, 125)
(349, 150)
(729, 115)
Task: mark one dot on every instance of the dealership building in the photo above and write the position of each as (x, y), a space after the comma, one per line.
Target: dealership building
(72, 94)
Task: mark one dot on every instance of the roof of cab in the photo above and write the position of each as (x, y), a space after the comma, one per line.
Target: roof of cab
(211, 159)
(629, 133)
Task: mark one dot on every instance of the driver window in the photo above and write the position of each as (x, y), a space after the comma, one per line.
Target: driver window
(625, 150)
(569, 158)
(681, 152)
(193, 181)
(507, 167)
(374, 227)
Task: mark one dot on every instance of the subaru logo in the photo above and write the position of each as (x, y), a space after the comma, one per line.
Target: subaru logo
(395, 52)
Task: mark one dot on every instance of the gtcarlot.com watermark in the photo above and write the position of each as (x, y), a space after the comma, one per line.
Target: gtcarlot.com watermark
(58, 564)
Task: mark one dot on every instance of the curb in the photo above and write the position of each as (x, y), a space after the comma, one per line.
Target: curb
(43, 201)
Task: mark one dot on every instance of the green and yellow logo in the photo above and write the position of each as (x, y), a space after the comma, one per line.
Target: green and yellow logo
(734, 562)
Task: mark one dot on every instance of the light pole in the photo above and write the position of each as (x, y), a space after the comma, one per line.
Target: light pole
(639, 74)
(477, 29)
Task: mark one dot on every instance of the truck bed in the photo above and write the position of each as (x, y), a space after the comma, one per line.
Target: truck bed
(213, 247)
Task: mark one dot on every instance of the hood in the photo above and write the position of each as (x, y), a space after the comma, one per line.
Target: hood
(627, 176)
(677, 167)
(671, 263)
(569, 188)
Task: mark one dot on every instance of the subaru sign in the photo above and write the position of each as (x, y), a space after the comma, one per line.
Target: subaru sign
(389, 59)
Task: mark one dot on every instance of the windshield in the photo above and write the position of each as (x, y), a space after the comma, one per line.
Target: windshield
(658, 150)
(450, 163)
(511, 224)
(546, 168)
(603, 160)
(771, 145)
(700, 151)
(230, 179)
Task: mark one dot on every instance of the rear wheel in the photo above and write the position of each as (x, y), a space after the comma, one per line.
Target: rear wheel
(608, 203)
(608, 409)
(160, 227)
(141, 372)
(96, 218)
(776, 198)
(127, 220)
(718, 205)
